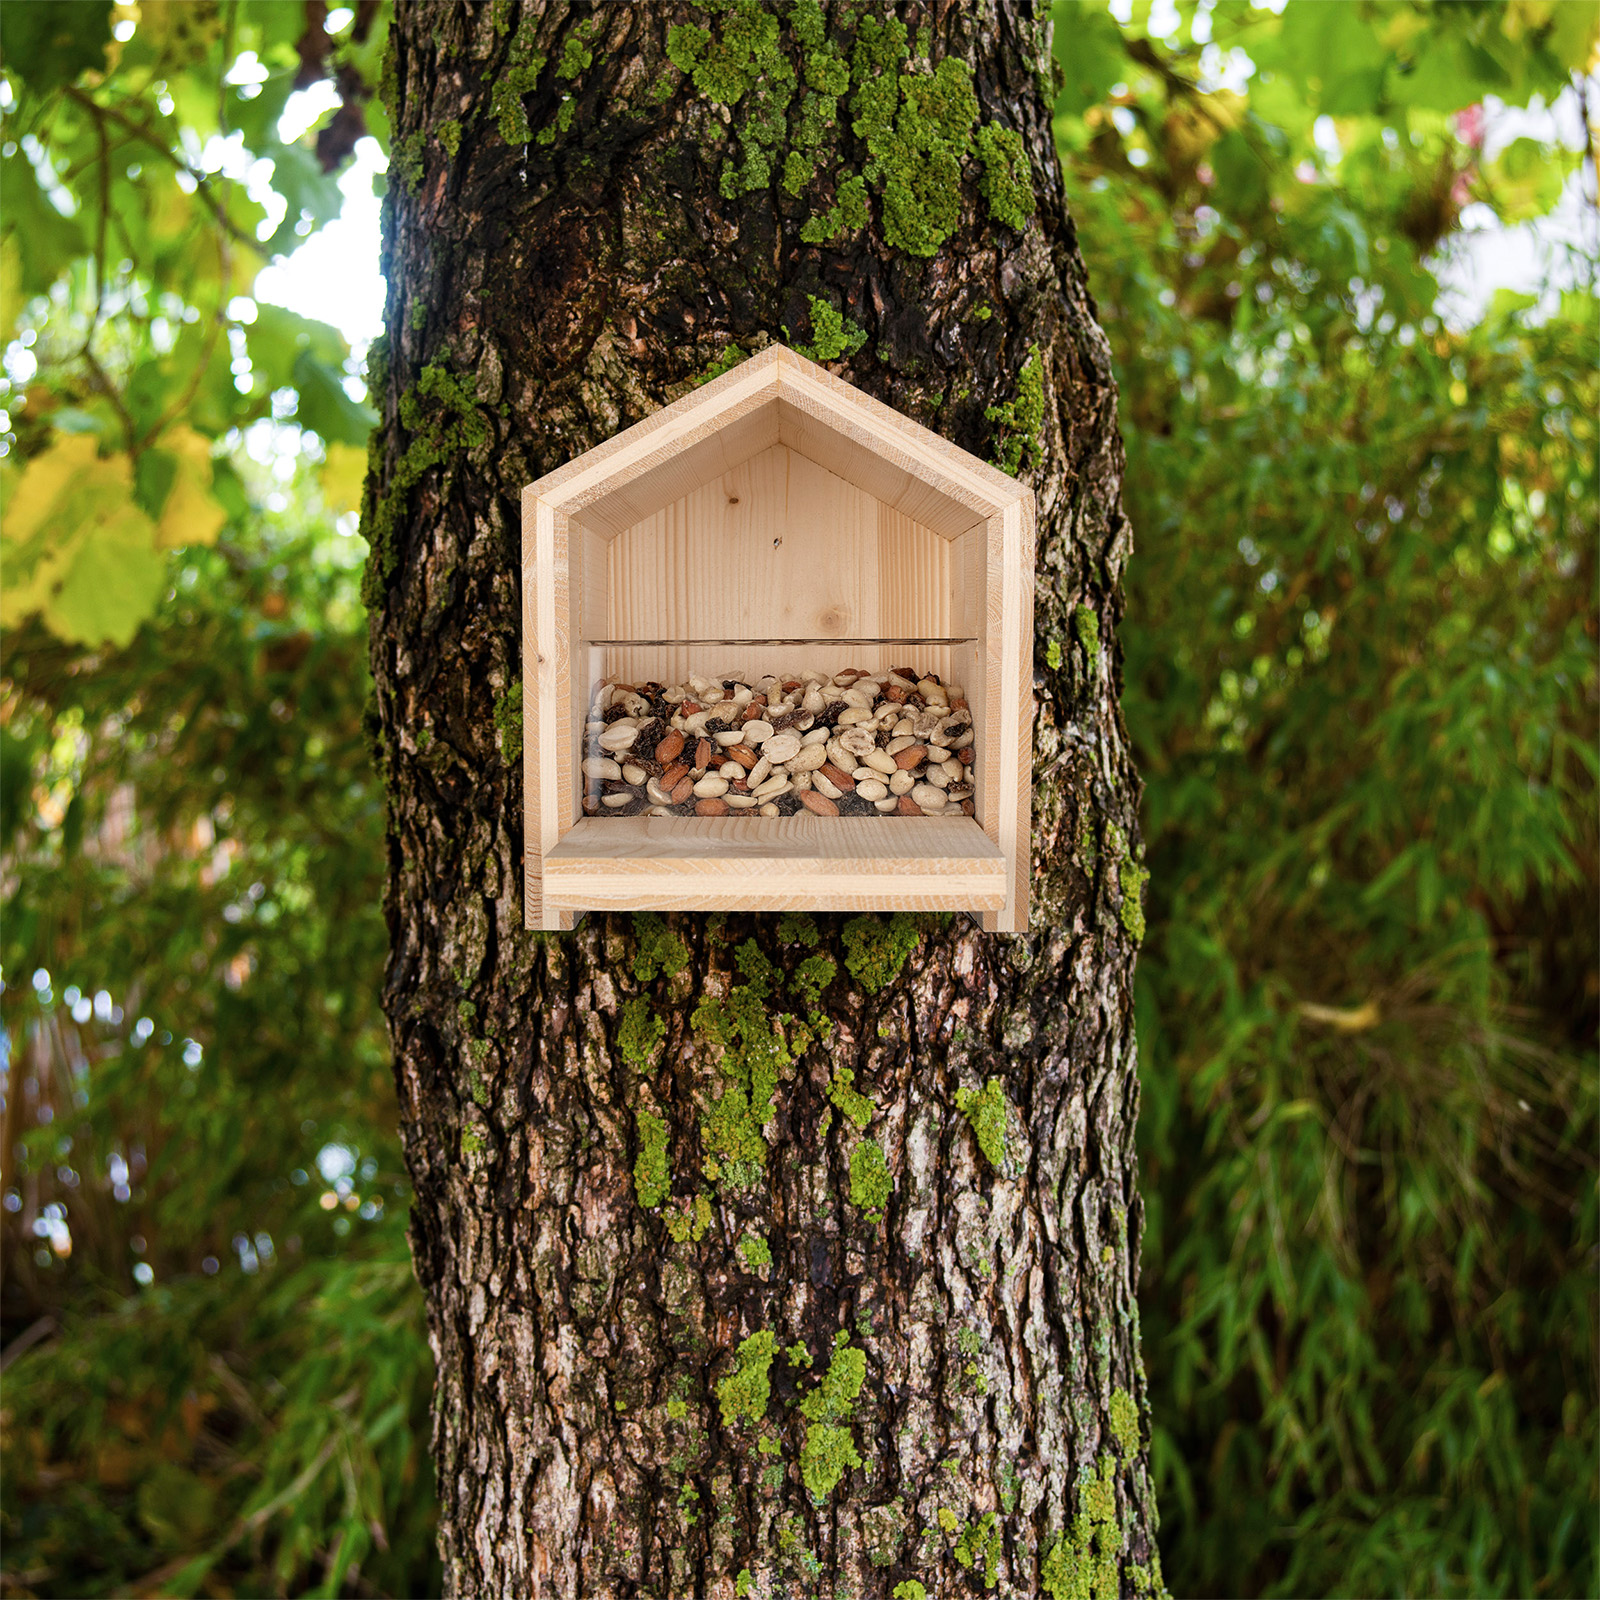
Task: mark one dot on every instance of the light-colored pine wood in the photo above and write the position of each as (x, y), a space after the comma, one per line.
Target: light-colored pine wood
(776, 502)
(785, 863)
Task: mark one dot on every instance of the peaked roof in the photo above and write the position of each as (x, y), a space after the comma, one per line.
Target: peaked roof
(777, 397)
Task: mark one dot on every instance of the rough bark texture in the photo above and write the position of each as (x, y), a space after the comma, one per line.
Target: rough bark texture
(588, 212)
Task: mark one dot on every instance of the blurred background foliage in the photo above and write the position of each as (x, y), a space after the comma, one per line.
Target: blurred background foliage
(1361, 675)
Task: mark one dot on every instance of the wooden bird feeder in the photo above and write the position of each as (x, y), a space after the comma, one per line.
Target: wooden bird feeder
(772, 522)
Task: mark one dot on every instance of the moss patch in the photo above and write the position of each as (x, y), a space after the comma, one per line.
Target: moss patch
(660, 950)
(726, 362)
(744, 1393)
(876, 950)
(1019, 441)
(1083, 1564)
(858, 1107)
(1132, 877)
(442, 416)
(829, 1450)
(652, 1178)
(978, 1549)
(692, 1221)
(1007, 180)
(832, 334)
(986, 1109)
(870, 1184)
(811, 977)
(756, 1251)
(847, 214)
(1087, 622)
(917, 128)
(754, 1053)
(1125, 1423)
(640, 1032)
(508, 721)
(519, 77)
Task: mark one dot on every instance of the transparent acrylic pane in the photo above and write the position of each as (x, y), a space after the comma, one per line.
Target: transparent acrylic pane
(779, 727)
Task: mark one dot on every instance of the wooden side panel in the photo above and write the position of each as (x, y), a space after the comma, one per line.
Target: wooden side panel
(546, 690)
(788, 864)
(1010, 680)
(969, 617)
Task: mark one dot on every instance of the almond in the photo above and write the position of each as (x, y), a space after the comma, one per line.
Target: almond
(913, 755)
(703, 752)
(907, 807)
(818, 803)
(840, 780)
(670, 748)
(711, 808)
(682, 789)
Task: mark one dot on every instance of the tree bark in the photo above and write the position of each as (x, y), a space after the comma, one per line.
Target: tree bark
(589, 210)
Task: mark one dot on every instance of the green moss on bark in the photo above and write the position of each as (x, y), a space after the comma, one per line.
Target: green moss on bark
(876, 950)
(986, 1109)
(640, 1032)
(1007, 179)
(1019, 441)
(832, 334)
(508, 721)
(744, 1393)
(978, 1549)
(829, 1450)
(652, 1178)
(660, 950)
(519, 77)
(870, 1183)
(1087, 623)
(442, 416)
(855, 1105)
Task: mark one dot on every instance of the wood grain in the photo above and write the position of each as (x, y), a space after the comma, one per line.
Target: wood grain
(776, 864)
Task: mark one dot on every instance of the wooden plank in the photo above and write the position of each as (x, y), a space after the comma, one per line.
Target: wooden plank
(1010, 717)
(778, 547)
(890, 435)
(774, 864)
(664, 433)
(546, 690)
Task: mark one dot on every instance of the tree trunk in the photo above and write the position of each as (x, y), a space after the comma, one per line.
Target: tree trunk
(678, 1355)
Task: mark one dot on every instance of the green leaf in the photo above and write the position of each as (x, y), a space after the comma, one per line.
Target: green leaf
(78, 549)
(49, 44)
(1525, 180)
(1089, 47)
(325, 408)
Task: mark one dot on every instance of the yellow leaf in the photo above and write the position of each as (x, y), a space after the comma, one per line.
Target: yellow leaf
(190, 515)
(11, 296)
(75, 546)
(343, 474)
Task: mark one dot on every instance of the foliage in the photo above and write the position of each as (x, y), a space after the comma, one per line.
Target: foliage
(204, 1230)
(137, 215)
(1360, 657)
